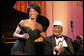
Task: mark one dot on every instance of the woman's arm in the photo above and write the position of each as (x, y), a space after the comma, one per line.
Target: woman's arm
(16, 33)
(18, 30)
(43, 34)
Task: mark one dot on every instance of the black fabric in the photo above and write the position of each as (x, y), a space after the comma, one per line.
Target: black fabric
(26, 46)
(49, 43)
(43, 21)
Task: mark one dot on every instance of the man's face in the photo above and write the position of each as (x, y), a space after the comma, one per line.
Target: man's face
(57, 30)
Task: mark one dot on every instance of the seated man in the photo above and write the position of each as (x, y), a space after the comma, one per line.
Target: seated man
(58, 44)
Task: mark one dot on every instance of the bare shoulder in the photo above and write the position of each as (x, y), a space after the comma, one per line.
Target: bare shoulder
(40, 27)
(22, 22)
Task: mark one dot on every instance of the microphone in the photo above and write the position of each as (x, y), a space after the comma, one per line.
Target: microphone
(71, 24)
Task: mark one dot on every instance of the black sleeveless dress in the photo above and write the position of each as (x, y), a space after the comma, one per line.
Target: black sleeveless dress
(26, 46)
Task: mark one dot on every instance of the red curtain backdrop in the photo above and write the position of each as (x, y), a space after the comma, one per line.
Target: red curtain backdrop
(59, 10)
(23, 5)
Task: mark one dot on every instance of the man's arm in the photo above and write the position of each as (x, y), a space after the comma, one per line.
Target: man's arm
(70, 49)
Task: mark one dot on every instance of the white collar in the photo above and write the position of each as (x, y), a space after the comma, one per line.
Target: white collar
(62, 40)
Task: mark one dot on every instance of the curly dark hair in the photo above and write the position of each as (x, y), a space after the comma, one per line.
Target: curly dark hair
(34, 6)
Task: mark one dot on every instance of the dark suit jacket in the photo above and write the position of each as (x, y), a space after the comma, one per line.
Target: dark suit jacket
(49, 43)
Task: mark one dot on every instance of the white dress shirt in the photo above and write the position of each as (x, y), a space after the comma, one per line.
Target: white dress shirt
(60, 42)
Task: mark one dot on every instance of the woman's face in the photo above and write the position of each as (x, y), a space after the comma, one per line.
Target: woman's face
(33, 13)
(57, 30)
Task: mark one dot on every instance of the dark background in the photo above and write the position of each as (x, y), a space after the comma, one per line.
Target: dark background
(8, 22)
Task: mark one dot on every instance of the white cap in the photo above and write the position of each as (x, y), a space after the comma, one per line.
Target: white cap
(58, 23)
